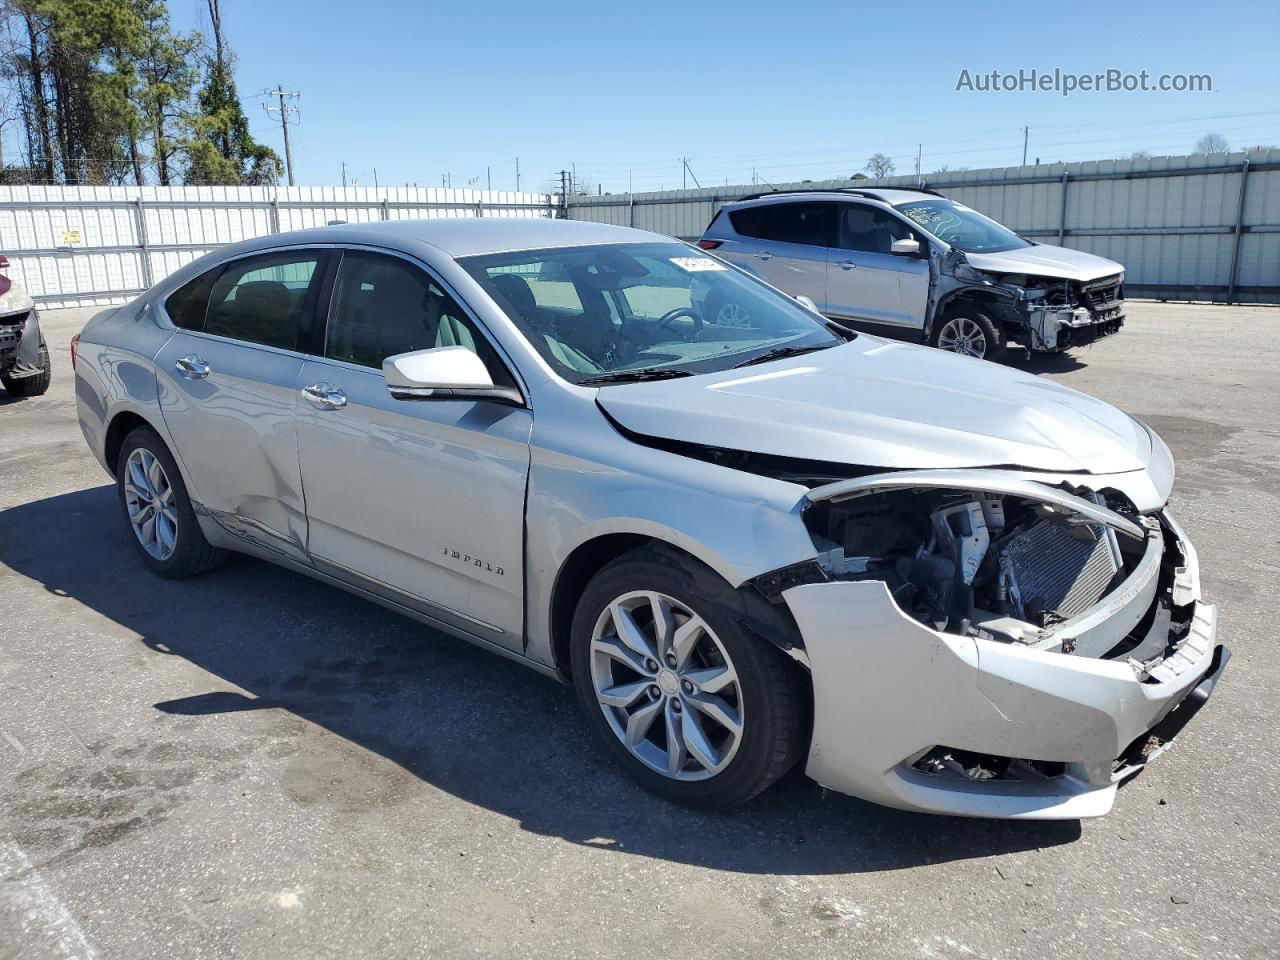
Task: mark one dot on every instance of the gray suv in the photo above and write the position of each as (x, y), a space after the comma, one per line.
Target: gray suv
(915, 265)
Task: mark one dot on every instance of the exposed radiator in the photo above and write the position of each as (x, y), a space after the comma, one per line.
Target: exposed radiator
(1050, 571)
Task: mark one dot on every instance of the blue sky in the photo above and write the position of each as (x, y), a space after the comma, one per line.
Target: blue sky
(796, 90)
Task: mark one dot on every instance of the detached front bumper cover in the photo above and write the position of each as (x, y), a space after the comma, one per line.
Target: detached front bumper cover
(888, 689)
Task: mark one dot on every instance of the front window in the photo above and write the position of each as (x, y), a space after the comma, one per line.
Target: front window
(961, 227)
(632, 311)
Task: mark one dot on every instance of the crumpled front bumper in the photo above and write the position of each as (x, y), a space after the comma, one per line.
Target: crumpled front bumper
(887, 689)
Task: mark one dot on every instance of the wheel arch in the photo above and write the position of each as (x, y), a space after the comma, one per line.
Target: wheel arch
(770, 622)
(120, 426)
(992, 301)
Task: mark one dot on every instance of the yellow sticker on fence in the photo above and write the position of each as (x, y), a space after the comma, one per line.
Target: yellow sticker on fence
(70, 237)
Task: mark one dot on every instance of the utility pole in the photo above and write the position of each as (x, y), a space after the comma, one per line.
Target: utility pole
(517, 174)
(685, 172)
(564, 193)
(488, 179)
(284, 110)
(919, 159)
(344, 174)
(375, 178)
(1026, 132)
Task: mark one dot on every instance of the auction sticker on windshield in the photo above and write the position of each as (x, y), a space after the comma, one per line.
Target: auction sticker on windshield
(697, 264)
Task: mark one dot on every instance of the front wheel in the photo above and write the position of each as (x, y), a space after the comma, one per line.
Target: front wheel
(970, 334)
(692, 705)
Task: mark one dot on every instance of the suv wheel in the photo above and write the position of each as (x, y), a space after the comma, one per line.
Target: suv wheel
(970, 334)
(695, 708)
(154, 499)
(33, 385)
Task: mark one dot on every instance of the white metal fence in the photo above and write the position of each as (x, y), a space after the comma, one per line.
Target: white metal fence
(93, 245)
(1194, 227)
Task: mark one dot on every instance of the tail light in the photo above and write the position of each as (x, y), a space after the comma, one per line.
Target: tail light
(709, 244)
(4, 262)
(5, 284)
(75, 346)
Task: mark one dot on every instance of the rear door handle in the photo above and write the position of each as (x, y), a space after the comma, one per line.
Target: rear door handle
(764, 254)
(847, 264)
(192, 367)
(324, 396)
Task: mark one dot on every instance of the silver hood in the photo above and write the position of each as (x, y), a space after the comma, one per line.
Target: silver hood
(1046, 260)
(872, 403)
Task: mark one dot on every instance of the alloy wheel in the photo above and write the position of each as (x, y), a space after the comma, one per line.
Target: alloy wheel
(964, 336)
(666, 686)
(733, 315)
(149, 499)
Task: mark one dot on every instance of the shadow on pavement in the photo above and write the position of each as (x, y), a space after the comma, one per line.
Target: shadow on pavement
(479, 727)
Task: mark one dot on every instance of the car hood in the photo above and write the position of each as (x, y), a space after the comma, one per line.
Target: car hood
(872, 403)
(1046, 260)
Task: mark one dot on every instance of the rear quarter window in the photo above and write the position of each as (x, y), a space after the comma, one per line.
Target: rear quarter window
(188, 305)
(751, 222)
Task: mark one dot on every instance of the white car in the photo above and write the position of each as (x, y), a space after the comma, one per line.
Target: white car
(747, 541)
(24, 357)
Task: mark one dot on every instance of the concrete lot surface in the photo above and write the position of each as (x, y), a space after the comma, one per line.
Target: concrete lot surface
(250, 764)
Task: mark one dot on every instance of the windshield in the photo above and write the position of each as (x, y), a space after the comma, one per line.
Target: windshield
(609, 313)
(962, 228)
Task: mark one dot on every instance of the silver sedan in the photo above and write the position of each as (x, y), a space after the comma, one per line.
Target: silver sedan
(748, 536)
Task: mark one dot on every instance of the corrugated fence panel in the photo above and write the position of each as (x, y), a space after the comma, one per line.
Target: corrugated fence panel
(1171, 221)
(89, 245)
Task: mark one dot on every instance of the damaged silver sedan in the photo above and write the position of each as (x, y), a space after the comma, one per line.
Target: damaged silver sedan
(749, 537)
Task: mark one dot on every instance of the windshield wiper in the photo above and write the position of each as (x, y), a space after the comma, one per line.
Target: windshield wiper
(778, 353)
(634, 376)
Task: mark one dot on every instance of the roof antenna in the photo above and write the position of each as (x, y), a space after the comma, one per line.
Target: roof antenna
(768, 184)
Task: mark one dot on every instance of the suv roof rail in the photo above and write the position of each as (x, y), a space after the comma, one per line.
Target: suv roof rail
(853, 191)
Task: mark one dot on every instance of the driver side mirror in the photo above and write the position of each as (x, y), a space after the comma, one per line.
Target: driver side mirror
(444, 373)
(906, 247)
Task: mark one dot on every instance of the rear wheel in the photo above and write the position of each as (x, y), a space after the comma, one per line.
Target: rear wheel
(156, 506)
(33, 385)
(970, 334)
(692, 705)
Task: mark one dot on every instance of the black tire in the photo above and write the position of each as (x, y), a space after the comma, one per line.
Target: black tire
(992, 332)
(192, 553)
(32, 386)
(774, 701)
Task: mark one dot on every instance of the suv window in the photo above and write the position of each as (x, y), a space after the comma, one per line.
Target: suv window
(870, 230)
(187, 305)
(812, 224)
(264, 299)
(384, 305)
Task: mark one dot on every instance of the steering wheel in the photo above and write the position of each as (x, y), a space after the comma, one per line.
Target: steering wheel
(666, 319)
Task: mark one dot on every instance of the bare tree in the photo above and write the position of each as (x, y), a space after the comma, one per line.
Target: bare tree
(1140, 155)
(1212, 143)
(879, 165)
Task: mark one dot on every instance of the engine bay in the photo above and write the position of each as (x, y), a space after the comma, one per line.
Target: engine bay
(973, 563)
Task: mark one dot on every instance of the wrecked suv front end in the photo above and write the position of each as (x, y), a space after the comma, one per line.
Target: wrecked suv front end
(984, 644)
(1047, 314)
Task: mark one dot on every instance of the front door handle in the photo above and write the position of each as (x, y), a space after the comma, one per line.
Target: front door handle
(764, 254)
(847, 264)
(192, 367)
(324, 396)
